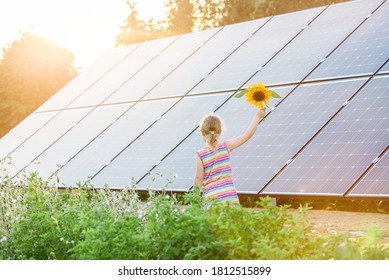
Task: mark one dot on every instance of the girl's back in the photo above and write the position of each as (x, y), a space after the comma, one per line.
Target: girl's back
(217, 184)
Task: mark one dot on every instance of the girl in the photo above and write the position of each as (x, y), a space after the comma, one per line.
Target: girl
(213, 166)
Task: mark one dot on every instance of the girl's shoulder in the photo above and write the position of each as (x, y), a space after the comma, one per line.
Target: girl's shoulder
(222, 144)
(204, 150)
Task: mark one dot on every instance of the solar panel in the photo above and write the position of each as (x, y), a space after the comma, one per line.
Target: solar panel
(157, 141)
(375, 183)
(176, 171)
(181, 163)
(45, 137)
(86, 78)
(322, 36)
(298, 118)
(203, 61)
(161, 66)
(113, 140)
(22, 131)
(363, 52)
(141, 104)
(76, 139)
(122, 72)
(343, 150)
(385, 69)
(256, 51)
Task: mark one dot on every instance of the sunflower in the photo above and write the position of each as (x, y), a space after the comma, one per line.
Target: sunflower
(258, 95)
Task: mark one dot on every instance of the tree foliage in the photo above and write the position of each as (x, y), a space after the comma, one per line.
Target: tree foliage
(183, 16)
(180, 17)
(31, 70)
(134, 30)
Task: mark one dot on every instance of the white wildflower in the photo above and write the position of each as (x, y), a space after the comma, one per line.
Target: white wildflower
(3, 238)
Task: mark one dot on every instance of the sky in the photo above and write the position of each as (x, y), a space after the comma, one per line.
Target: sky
(88, 28)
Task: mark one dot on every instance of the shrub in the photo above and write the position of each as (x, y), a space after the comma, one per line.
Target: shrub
(42, 222)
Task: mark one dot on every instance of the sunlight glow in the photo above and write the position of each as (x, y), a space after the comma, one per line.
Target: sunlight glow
(88, 28)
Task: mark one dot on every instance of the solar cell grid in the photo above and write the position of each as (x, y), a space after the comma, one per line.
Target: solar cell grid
(122, 72)
(76, 139)
(236, 114)
(325, 137)
(22, 131)
(322, 36)
(201, 63)
(376, 182)
(287, 130)
(256, 51)
(113, 140)
(385, 69)
(45, 137)
(363, 52)
(157, 141)
(176, 171)
(343, 150)
(161, 66)
(86, 78)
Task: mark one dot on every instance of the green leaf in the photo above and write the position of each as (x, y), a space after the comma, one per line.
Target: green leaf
(274, 94)
(240, 94)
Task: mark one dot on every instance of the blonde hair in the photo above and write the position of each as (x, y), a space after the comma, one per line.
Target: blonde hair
(211, 127)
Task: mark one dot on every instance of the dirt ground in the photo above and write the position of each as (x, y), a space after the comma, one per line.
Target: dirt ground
(355, 223)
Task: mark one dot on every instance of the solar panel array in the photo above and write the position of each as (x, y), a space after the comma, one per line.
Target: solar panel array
(132, 116)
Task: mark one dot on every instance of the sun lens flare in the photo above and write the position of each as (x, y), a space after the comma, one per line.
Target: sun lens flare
(258, 95)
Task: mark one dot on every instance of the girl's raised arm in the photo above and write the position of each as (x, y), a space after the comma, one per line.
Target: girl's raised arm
(236, 142)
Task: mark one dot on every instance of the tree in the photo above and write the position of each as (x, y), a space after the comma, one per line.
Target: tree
(180, 16)
(31, 70)
(183, 16)
(135, 30)
(276, 7)
(213, 13)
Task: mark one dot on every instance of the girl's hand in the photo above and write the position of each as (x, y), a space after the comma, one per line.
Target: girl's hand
(261, 113)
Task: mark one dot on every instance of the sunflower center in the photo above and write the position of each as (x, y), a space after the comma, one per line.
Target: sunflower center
(259, 95)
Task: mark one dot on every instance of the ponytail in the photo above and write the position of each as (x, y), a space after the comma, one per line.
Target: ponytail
(212, 141)
(211, 128)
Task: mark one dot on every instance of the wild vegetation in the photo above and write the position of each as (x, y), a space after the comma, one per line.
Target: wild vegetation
(39, 221)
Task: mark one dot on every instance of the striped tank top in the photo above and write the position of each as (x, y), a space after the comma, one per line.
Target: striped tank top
(217, 183)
